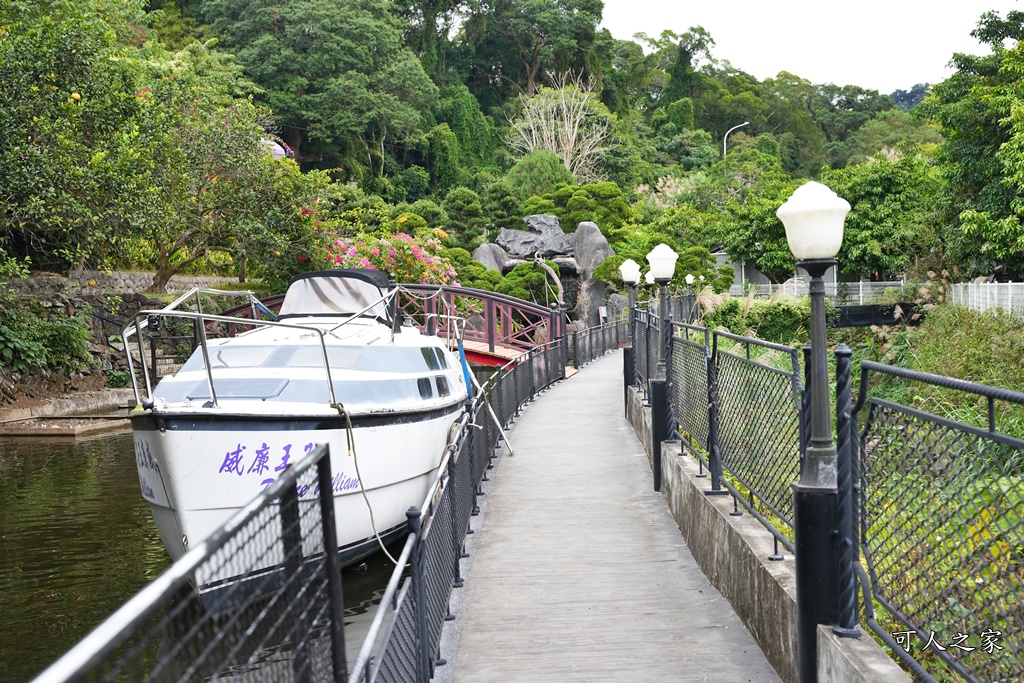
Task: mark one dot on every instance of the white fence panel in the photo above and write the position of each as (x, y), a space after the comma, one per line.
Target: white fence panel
(842, 293)
(1007, 297)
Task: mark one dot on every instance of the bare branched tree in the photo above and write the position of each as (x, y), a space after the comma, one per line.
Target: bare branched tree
(567, 119)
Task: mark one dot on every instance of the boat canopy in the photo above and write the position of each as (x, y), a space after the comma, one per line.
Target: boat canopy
(333, 293)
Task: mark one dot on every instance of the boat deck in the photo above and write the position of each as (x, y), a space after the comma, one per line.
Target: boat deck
(579, 572)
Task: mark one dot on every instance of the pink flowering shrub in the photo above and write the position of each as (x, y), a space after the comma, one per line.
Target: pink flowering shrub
(411, 260)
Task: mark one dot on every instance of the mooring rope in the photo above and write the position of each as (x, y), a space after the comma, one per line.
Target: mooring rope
(350, 442)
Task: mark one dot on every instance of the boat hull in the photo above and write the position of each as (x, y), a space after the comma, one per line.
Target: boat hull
(197, 471)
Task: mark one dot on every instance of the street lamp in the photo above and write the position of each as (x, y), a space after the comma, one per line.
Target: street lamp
(663, 264)
(726, 136)
(813, 217)
(630, 271)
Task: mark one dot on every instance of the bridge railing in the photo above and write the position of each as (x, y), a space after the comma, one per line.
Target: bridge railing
(930, 510)
(280, 618)
(490, 319)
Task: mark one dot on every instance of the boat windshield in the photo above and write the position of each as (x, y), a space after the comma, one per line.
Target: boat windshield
(408, 375)
(397, 359)
(337, 293)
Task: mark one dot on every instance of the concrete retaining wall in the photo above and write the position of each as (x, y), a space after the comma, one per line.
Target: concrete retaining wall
(733, 553)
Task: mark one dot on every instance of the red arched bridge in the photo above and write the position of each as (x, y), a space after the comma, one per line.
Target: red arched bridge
(495, 328)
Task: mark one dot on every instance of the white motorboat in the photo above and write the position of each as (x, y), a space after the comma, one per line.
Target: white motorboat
(214, 434)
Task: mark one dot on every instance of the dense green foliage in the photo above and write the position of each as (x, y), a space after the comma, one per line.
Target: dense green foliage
(142, 134)
(33, 337)
(953, 342)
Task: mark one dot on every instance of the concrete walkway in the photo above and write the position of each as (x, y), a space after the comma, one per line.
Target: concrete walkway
(579, 572)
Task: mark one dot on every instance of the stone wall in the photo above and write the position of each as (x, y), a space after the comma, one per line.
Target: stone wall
(93, 282)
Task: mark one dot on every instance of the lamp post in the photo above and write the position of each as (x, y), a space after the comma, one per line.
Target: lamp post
(726, 136)
(689, 292)
(813, 217)
(649, 279)
(663, 264)
(630, 271)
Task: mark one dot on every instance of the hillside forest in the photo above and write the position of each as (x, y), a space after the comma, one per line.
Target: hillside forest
(261, 138)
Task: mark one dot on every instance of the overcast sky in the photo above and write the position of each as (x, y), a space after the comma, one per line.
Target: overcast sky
(883, 45)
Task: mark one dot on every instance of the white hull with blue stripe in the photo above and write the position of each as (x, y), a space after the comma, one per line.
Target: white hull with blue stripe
(211, 437)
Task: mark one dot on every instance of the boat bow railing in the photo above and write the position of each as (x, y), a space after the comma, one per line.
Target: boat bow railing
(201, 326)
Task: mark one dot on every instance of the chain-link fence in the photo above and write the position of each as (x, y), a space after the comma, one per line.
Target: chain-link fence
(932, 507)
(736, 402)
(645, 345)
(759, 424)
(942, 529)
(275, 612)
(688, 386)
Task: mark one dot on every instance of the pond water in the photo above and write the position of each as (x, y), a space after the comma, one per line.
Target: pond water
(77, 541)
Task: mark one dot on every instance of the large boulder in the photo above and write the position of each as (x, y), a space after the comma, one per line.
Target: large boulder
(618, 307)
(591, 248)
(544, 236)
(491, 256)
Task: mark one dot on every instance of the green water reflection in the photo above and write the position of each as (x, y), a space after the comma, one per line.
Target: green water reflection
(76, 541)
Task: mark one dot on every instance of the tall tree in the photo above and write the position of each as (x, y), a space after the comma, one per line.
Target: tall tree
(891, 222)
(569, 121)
(335, 73)
(430, 24)
(537, 36)
(977, 108)
(69, 92)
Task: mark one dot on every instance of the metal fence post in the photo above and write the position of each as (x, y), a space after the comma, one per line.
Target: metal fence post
(576, 349)
(659, 424)
(334, 588)
(805, 405)
(845, 506)
(628, 362)
(489, 323)
(714, 441)
(659, 389)
(291, 537)
(419, 591)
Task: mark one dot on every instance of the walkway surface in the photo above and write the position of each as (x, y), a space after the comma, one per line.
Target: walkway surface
(579, 572)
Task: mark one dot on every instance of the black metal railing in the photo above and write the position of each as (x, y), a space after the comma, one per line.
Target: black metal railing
(929, 513)
(593, 342)
(645, 345)
(739, 413)
(759, 420)
(272, 608)
(275, 611)
(941, 529)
